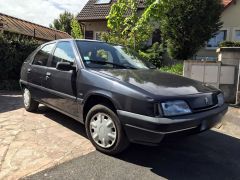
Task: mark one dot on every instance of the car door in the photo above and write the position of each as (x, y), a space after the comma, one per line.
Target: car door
(37, 69)
(61, 85)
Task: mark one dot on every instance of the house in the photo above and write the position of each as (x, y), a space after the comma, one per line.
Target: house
(230, 30)
(93, 17)
(9, 24)
(93, 20)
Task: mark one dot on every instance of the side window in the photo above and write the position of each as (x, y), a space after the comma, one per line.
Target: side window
(42, 55)
(63, 53)
(103, 55)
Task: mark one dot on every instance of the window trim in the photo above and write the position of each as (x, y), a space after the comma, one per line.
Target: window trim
(227, 38)
(234, 34)
(49, 65)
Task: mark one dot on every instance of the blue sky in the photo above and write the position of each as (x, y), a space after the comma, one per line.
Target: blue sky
(40, 11)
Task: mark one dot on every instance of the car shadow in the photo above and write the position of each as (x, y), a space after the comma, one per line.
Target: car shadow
(62, 119)
(10, 101)
(210, 155)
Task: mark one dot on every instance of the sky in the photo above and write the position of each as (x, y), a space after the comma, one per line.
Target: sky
(42, 12)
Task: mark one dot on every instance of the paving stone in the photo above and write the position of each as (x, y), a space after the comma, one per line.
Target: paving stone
(31, 142)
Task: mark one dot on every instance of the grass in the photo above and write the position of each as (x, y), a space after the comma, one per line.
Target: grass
(174, 69)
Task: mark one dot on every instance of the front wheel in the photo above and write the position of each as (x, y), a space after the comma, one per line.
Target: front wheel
(29, 103)
(105, 131)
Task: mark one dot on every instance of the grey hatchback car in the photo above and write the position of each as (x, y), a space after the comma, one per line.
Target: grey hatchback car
(120, 97)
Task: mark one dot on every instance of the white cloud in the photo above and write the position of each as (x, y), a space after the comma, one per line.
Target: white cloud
(40, 11)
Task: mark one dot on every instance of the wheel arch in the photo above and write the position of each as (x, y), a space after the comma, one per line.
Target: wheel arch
(98, 98)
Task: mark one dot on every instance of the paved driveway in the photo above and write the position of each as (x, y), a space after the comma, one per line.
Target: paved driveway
(30, 142)
(210, 155)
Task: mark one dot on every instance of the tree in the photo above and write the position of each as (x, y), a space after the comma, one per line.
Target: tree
(63, 23)
(122, 21)
(185, 25)
(76, 31)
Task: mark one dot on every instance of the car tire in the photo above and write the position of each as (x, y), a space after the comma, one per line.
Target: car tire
(98, 125)
(29, 103)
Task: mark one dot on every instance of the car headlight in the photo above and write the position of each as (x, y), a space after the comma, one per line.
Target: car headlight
(220, 98)
(175, 108)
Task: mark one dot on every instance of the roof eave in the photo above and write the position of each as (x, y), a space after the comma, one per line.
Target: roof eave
(91, 19)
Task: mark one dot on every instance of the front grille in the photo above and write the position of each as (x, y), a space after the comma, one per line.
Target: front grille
(201, 102)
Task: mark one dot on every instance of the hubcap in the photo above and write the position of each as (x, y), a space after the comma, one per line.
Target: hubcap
(26, 97)
(103, 130)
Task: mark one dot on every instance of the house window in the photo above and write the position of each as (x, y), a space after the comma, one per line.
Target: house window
(103, 1)
(237, 35)
(215, 41)
(89, 35)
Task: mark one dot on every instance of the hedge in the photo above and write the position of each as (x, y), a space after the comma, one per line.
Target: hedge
(14, 49)
(229, 44)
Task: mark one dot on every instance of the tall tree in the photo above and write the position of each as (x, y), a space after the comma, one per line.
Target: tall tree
(185, 25)
(76, 31)
(63, 23)
(122, 20)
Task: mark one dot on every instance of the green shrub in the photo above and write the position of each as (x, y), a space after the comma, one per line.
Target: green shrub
(229, 44)
(14, 49)
(174, 69)
(154, 54)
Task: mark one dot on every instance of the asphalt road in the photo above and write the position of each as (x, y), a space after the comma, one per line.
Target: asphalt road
(210, 155)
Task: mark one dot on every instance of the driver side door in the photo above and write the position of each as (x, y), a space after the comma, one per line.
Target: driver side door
(61, 85)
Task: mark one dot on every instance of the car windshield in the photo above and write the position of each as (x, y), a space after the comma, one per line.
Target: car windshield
(104, 55)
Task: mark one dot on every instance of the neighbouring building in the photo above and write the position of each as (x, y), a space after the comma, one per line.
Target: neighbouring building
(9, 24)
(93, 17)
(230, 30)
(93, 20)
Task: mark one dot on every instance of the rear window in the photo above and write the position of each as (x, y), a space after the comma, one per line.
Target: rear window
(41, 58)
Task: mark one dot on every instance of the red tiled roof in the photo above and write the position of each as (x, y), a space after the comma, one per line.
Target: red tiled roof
(92, 11)
(227, 2)
(19, 26)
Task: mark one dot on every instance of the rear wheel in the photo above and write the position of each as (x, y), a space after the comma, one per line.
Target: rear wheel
(105, 131)
(29, 103)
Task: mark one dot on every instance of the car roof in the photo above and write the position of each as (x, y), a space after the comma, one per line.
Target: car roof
(83, 40)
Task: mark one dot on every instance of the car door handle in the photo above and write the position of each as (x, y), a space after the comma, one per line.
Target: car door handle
(29, 70)
(48, 75)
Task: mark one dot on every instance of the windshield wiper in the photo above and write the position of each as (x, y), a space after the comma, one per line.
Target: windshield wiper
(114, 64)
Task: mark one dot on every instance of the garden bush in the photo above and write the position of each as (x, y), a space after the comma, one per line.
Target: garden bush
(229, 44)
(154, 54)
(174, 69)
(14, 49)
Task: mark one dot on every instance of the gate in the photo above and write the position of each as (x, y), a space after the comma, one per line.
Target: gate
(213, 73)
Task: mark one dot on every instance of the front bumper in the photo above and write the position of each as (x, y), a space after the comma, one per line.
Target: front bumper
(151, 130)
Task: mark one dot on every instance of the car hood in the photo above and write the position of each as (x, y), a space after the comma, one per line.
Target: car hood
(159, 83)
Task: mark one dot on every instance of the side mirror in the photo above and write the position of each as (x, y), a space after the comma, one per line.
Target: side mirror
(39, 63)
(65, 66)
